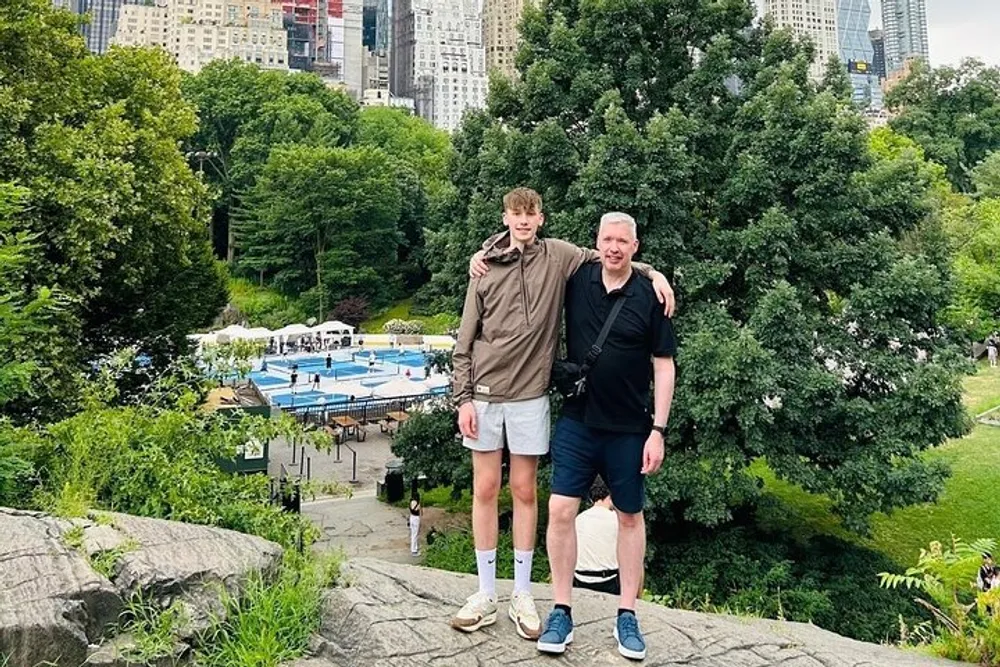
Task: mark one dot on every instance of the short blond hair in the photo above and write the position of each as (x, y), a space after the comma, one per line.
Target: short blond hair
(618, 218)
(523, 199)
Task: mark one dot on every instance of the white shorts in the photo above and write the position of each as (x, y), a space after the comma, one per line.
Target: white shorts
(524, 423)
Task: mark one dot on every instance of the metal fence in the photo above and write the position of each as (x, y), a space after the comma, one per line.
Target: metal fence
(366, 411)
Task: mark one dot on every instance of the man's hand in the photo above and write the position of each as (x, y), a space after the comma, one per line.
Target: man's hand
(478, 267)
(664, 292)
(467, 422)
(652, 453)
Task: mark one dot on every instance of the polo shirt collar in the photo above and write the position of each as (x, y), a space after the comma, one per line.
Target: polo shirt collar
(628, 288)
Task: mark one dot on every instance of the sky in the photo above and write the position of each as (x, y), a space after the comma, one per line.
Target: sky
(958, 29)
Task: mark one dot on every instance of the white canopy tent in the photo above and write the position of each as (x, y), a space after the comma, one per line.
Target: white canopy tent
(259, 333)
(230, 333)
(333, 327)
(292, 331)
(399, 387)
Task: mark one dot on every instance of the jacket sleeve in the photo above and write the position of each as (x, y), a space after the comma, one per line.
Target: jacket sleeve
(462, 356)
(571, 258)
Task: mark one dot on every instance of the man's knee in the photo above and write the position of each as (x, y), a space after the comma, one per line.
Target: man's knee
(562, 510)
(486, 486)
(630, 521)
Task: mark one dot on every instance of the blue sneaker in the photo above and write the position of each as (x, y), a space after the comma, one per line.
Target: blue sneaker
(557, 634)
(630, 641)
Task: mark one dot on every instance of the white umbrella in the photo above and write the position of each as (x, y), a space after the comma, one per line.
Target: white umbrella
(259, 333)
(355, 389)
(232, 332)
(399, 387)
(436, 381)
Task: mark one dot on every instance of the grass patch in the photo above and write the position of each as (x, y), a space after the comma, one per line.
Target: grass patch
(153, 630)
(433, 324)
(272, 621)
(965, 508)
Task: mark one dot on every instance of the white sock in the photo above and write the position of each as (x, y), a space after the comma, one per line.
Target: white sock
(522, 571)
(486, 563)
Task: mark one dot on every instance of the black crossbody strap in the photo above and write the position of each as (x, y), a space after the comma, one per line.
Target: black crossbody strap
(595, 349)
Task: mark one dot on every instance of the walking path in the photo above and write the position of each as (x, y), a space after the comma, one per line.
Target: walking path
(361, 525)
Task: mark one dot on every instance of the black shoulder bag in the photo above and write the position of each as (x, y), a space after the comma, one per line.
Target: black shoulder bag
(570, 379)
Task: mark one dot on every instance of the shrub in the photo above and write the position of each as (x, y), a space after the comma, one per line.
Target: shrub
(966, 621)
(427, 444)
(263, 307)
(353, 310)
(404, 327)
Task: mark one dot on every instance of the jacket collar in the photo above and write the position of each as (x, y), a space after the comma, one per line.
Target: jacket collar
(497, 249)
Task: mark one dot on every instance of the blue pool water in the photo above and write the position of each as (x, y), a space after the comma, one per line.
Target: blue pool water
(304, 398)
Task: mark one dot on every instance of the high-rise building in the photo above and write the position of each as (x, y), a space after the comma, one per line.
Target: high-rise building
(103, 20)
(500, 34)
(438, 58)
(857, 53)
(904, 23)
(376, 25)
(198, 31)
(816, 19)
(878, 50)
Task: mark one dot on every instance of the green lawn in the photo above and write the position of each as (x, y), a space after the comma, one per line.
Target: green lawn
(436, 324)
(967, 507)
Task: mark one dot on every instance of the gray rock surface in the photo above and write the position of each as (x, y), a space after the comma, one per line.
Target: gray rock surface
(54, 606)
(397, 616)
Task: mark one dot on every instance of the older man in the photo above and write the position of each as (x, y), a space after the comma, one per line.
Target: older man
(609, 430)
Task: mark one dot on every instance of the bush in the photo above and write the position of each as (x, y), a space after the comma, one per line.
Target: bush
(427, 443)
(743, 570)
(404, 327)
(966, 621)
(353, 311)
(263, 307)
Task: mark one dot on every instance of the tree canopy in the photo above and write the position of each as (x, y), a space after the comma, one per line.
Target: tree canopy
(809, 326)
(116, 219)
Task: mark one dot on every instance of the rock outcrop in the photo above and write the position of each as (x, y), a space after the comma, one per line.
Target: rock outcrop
(397, 616)
(64, 583)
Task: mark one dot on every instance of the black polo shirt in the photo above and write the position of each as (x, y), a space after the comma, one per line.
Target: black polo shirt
(618, 386)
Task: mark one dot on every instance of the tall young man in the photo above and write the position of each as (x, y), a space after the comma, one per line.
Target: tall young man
(502, 363)
(608, 430)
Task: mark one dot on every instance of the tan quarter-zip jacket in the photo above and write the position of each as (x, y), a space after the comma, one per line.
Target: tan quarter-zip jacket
(510, 323)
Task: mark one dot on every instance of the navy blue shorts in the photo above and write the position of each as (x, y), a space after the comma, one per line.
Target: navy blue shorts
(580, 453)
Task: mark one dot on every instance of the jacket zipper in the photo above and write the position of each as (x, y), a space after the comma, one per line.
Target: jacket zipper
(524, 294)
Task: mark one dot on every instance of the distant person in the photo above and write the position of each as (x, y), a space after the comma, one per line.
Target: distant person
(597, 544)
(416, 511)
(329, 362)
(315, 382)
(991, 351)
(263, 365)
(407, 373)
(294, 378)
(371, 361)
(989, 573)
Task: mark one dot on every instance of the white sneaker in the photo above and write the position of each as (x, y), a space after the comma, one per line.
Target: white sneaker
(525, 616)
(480, 610)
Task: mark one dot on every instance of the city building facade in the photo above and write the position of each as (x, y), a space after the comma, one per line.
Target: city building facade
(877, 38)
(857, 52)
(196, 32)
(438, 58)
(500, 34)
(904, 23)
(816, 19)
(103, 22)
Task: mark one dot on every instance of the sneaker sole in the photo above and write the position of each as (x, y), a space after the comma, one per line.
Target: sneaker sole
(629, 653)
(523, 632)
(489, 619)
(546, 647)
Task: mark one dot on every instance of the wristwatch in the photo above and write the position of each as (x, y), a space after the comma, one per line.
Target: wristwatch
(662, 430)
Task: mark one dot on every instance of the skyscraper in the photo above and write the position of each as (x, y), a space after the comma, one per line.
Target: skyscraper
(816, 19)
(857, 53)
(438, 58)
(103, 20)
(905, 25)
(878, 50)
(500, 35)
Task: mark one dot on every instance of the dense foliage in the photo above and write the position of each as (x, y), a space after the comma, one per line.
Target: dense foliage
(953, 113)
(316, 198)
(115, 217)
(809, 324)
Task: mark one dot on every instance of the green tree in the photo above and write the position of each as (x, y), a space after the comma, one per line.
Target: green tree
(952, 112)
(117, 216)
(808, 328)
(321, 222)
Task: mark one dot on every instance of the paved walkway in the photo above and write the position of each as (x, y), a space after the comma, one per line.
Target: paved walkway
(360, 525)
